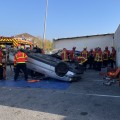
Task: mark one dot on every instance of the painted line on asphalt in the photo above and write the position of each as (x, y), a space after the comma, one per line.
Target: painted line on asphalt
(97, 95)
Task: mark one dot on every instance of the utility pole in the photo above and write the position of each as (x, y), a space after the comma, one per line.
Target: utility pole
(44, 33)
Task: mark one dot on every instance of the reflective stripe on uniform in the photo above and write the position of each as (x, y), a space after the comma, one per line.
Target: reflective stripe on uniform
(20, 62)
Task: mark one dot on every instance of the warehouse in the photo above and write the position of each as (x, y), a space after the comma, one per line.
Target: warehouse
(117, 45)
(91, 41)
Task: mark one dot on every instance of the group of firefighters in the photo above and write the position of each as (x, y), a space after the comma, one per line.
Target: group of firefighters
(96, 59)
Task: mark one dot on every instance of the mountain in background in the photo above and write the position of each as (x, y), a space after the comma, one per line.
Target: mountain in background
(25, 35)
(37, 41)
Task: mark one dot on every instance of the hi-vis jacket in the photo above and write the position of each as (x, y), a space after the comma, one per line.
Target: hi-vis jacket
(85, 54)
(81, 60)
(106, 54)
(113, 54)
(98, 56)
(64, 55)
(20, 57)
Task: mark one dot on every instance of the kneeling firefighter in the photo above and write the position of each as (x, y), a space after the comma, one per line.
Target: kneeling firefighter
(82, 60)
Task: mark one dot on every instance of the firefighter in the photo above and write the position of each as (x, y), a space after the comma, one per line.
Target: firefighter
(98, 59)
(113, 57)
(1, 67)
(106, 56)
(72, 54)
(85, 54)
(20, 59)
(82, 60)
(91, 59)
(4, 60)
(42, 51)
(64, 55)
(94, 62)
(115, 73)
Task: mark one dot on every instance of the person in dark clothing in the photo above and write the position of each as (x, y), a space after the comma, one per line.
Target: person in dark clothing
(1, 72)
(91, 59)
(113, 58)
(106, 56)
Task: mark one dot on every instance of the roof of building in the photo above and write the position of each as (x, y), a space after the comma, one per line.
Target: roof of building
(83, 36)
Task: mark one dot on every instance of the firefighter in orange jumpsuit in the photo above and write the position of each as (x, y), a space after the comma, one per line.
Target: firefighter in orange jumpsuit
(106, 56)
(64, 55)
(1, 67)
(113, 57)
(20, 59)
(72, 54)
(85, 54)
(98, 59)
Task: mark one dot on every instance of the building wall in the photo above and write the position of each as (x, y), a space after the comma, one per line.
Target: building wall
(81, 42)
(117, 45)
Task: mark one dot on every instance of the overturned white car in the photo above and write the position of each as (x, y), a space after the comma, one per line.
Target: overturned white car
(52, 67)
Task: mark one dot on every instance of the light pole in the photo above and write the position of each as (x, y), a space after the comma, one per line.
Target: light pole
(44, 33)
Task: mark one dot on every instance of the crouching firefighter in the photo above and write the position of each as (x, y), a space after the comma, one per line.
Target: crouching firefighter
(20, 59)
(82, 61)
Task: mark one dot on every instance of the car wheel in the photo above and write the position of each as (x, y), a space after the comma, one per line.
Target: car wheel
(61, 69)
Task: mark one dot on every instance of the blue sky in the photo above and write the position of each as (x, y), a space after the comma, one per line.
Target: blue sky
(66, 18)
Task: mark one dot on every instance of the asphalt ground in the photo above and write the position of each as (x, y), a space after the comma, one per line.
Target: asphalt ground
(87, 99)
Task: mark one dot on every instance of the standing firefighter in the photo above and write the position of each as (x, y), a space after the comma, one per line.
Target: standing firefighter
(64, 55)
(20, 59)
(4, 60)
(72, 54)
(98, 59)
(94, 62)
(85, 54)
(1, 67)
(91, 59)
(106, 56)
(113, 57)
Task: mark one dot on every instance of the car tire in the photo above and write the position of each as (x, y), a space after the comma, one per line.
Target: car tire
(61, 69)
